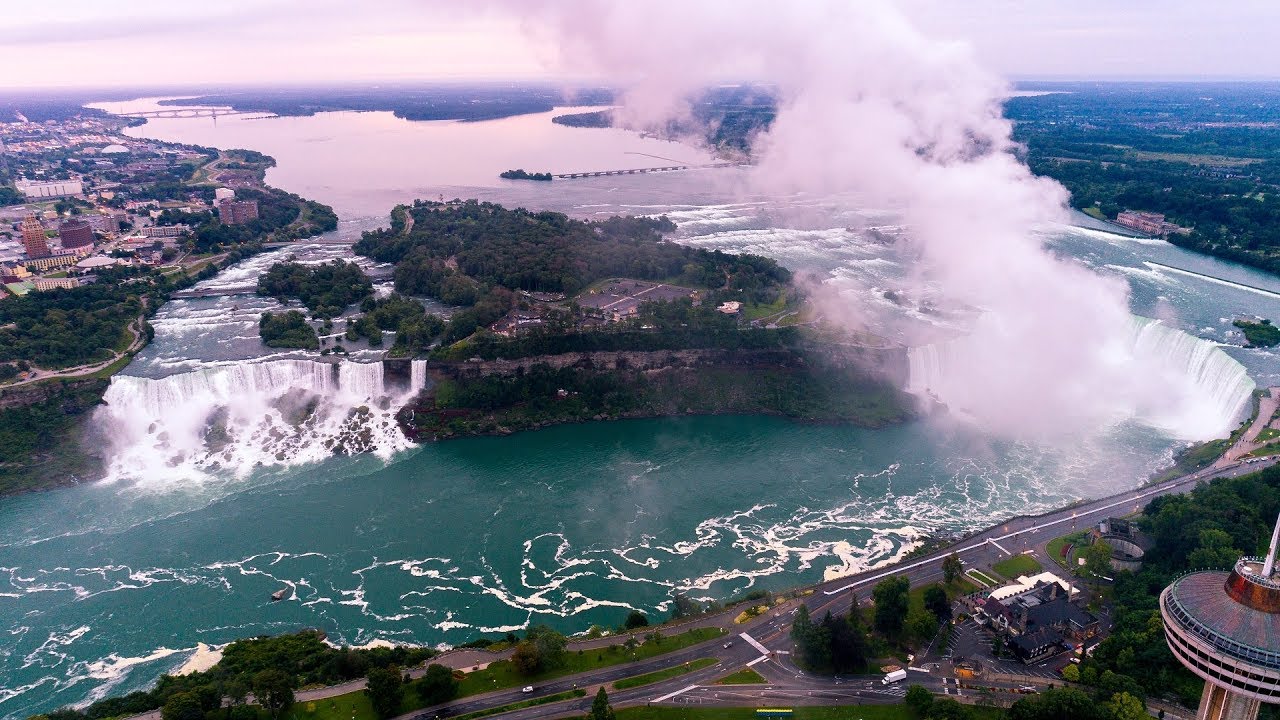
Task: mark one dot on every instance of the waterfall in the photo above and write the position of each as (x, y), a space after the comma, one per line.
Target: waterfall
(232, 419)
(417, 375)
(1207, 390)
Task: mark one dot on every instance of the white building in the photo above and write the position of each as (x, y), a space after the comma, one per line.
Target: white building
(50, 189)
(223, 194)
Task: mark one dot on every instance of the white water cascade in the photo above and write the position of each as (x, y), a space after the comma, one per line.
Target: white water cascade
(1207, 389)
(232, 419)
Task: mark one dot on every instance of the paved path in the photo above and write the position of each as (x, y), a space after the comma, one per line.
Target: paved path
(72, 373)
(1266, 408)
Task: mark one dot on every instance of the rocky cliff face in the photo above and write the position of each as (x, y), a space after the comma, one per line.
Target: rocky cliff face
(73, 391)
(890, 364)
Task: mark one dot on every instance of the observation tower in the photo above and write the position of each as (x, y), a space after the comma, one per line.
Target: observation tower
(1225, 627)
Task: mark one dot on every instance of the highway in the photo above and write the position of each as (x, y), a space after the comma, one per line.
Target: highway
(764, 642)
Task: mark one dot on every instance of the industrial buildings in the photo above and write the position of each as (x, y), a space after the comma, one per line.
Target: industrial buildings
(51, 189)
(237, 212)
(1225, 628)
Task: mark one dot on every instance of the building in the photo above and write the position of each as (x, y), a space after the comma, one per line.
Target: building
(1225, 628)
(237, 212)
(33, 239)
(75, 233)
(1039, 621)
(223, 194)
(56, 261)
(730, 307)
(51, 189)
(43, 284)
(165, 231)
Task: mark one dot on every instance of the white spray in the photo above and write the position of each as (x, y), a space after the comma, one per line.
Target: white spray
(872, 110)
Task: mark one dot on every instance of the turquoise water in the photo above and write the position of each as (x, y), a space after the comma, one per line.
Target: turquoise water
(104, 586)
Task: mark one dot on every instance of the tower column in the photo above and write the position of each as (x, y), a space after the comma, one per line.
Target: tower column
(1219, 703)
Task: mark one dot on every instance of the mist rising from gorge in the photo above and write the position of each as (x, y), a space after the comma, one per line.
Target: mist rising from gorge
(872, 113)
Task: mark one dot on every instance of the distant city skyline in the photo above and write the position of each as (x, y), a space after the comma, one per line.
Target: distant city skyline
(86, 43)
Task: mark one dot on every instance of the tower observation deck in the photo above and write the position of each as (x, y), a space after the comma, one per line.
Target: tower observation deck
(1225, 628)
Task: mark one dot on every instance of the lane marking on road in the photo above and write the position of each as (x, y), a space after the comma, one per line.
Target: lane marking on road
(668, 696)
(759, 659)
(993, 542)
(752, 642)
(1075, 516)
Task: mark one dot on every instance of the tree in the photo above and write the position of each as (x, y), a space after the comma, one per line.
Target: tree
(919, 699)
(1124, 706)
(847, 642)
(921, 625)
(182, 706)
(437, 685)
(1097, 559)
(385, 688)
(237, 691)
(541, 649)
(948, 709)
(1071, 673)
(892, 603)
(273, 690)
(1057, 704)
(951, 568)
(1215, 551)
(635, 619)
(600, 707)
(813, 641)
(936, 602)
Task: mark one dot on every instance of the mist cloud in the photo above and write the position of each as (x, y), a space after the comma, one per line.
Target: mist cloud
(871, 109)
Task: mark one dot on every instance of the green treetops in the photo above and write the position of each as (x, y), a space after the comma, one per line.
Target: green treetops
(892, 603)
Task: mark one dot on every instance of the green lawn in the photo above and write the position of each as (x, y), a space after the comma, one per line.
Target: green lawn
(1012, 567)
(983, 576)
(1055, 549)
(1268, 434)
(850, 712)
(667, 674)
(745, 676)
(502, 674)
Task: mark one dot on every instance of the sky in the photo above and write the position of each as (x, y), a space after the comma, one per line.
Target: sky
(90, 43)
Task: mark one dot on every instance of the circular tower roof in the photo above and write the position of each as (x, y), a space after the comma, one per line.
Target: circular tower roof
(1225, 627)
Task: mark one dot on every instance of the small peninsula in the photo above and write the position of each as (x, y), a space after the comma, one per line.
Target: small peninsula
(521, 174)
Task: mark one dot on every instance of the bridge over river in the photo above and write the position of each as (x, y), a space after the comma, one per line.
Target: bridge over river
(190, 113)
(637, 171)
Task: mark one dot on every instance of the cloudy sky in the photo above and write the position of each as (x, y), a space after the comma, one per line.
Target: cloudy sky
(90, 43)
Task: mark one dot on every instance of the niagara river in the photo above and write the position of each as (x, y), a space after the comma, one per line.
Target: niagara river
(106, 585)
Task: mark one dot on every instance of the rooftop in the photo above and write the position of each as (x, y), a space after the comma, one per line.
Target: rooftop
(1200, 604)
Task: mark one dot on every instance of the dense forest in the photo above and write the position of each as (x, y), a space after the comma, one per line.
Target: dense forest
(288, 329)
(475, 255)
(1206, 155)
(456, 250)
(326, 289)
(415, 329)
(69, 326)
